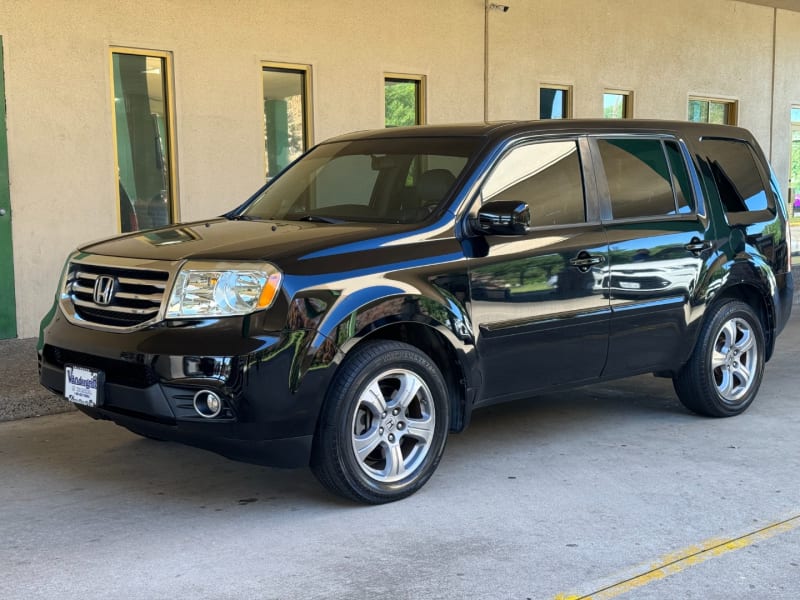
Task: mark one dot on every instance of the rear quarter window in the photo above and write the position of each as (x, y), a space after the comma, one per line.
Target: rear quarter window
(738, 176)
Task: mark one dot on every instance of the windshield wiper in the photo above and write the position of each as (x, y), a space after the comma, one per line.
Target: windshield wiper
(319, 219)
(240, 218)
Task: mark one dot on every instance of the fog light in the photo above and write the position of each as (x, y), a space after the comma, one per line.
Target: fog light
(207, 404)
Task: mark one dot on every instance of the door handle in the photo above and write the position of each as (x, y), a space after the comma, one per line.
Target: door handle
(696, 246)
(584, 261)
(2, 212)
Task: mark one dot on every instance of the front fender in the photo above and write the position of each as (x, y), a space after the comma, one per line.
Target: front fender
(349, 318)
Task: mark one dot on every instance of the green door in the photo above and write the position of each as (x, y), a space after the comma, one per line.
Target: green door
(8, 315)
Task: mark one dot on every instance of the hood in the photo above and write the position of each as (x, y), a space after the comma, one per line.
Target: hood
(223, 239)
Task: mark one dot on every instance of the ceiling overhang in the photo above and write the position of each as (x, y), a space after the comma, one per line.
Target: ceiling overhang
(785, 4)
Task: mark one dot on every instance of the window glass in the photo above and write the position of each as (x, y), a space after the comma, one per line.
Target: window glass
(639, 180)
(616, 105)
(547, 176)
(720, 112)
(402, 102)
(554, 102)
(737, 175)
(794, 164)
(380, 180)
(285, 116)
(346, 179)
(142, 122)
(680, 178)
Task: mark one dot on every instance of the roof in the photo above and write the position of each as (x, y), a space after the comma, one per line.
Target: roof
(505, 129)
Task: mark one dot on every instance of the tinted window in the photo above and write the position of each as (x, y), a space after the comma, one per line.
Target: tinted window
(547, 176)
(680, 178)
(381, 180)
(349, 177)
(737, 175)
(639, 179)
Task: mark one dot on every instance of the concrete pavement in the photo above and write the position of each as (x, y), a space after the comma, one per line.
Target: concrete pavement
(556, 497)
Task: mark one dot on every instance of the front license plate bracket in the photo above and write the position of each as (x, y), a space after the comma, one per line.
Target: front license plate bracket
(83, 385)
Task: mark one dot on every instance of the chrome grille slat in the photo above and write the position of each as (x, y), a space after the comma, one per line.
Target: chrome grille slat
(131, 281)
(116, 309)
(156, 298)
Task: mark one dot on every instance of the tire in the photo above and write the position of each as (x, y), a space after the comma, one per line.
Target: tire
(725, 370)
(384, 424)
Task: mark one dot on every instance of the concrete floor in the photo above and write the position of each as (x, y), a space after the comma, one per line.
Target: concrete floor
(557, 497)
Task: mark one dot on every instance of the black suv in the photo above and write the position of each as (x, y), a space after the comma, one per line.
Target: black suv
(364, 302)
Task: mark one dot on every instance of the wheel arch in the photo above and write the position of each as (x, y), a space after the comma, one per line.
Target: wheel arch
(435, 344)
(754, 290)
(438, 327)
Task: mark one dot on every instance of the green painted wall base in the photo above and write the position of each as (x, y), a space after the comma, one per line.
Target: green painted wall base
(8, 301)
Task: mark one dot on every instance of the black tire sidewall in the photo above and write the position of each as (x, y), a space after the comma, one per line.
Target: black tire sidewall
(725, 313)
(357, 375)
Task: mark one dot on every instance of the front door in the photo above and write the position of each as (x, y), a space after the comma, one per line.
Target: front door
(8, 317)
(537, 300)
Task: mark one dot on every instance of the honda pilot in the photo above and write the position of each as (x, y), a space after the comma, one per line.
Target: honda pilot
(366, 301)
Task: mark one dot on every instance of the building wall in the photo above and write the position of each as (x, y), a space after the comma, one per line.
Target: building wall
(58, 88)
(787, 90)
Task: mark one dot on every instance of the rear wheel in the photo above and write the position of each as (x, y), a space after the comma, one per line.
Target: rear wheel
(725, 370)
(384, 424)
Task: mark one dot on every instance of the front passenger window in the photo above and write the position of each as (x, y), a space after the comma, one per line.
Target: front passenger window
(546, 175)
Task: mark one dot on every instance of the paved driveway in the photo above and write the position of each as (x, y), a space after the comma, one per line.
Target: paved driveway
(613, 488)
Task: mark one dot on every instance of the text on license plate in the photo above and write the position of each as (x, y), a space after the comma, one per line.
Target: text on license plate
(81, 384)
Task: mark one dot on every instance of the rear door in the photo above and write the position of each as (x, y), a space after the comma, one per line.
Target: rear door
(658, 242)
(541, 316)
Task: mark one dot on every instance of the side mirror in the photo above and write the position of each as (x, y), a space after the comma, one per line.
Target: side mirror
(504, 217)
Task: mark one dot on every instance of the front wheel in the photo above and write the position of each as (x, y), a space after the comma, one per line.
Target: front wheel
(384, 424)
(725, 370)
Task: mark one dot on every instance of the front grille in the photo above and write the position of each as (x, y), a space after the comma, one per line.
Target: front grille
(135, 372)
(134, 298)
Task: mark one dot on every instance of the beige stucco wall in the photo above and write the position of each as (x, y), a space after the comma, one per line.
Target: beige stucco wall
(787, 91)
(61, 153)
(663, 51)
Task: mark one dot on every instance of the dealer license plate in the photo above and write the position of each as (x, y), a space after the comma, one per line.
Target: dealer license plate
(630, 285)
(83, 385)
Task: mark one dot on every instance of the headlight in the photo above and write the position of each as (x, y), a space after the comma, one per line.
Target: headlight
(223, 289)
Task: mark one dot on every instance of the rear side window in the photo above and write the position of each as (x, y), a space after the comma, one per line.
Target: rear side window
(546, 175)
(737, 175)
(643, 181)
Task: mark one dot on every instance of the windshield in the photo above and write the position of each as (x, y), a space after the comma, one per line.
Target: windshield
(381, 180)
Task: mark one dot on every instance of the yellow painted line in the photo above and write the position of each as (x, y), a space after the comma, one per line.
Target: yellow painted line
(676, 562)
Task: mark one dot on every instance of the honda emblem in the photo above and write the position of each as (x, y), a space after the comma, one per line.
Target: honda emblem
(104, 288)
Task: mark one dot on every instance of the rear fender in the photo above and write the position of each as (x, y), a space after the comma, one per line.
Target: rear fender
(753, 281)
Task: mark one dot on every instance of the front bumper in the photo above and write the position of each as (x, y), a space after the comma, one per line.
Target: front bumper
(272, 386)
